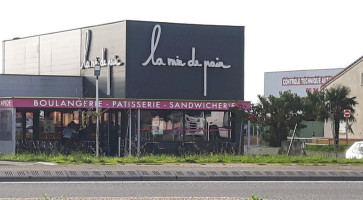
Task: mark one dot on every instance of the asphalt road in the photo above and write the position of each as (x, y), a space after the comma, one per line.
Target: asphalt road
(181, 190)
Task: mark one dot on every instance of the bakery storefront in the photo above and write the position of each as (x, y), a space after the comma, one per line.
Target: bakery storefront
(163, 88)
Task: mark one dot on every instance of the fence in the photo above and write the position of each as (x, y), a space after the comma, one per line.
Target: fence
(330, 141)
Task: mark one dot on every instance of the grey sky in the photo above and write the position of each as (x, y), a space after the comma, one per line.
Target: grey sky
(280, 35)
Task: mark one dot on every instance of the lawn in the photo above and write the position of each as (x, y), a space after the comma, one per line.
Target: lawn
(326, 148)
(78, 158)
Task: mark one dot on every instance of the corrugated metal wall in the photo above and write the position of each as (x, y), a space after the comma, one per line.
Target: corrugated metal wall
(312, 127)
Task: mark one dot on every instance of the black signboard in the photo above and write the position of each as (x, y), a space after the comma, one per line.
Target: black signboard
(184, 61)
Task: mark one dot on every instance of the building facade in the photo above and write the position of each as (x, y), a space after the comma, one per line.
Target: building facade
(161, 84)
(298, 81)
(352, 77)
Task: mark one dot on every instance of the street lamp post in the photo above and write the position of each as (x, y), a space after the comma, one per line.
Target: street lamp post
(97, 73)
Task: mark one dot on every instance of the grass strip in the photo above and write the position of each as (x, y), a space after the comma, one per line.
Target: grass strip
(325, 148)
(79, 158)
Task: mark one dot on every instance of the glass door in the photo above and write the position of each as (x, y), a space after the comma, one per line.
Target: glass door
(7, 130)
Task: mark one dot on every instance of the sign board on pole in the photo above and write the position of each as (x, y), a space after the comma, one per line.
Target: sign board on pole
(346, 113)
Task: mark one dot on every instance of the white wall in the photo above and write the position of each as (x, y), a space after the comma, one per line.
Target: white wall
(352, 79)
(297, 81)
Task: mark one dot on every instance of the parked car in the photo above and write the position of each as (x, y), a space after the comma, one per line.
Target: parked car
(355, 151)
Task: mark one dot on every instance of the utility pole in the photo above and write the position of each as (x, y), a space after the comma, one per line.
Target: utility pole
(97, 72)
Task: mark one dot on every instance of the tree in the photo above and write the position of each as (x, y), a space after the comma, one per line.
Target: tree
(336, 100)
(280, 115)
(239, 114)
(313, 105)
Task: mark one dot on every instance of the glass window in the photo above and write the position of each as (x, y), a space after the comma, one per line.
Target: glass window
(6, 125)
(29, 125)
(161, 125)
(49, 125)
(67, 118)
(89, 125)
(195, 126)
(19, 126)
(218, 126)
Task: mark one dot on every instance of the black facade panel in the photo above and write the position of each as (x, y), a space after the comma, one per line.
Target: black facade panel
(117, 81)
(176, 41)
(40, 86)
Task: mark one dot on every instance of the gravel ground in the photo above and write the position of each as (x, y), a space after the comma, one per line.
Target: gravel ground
(14, 166)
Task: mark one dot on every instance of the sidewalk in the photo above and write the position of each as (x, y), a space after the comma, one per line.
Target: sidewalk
(40, 171)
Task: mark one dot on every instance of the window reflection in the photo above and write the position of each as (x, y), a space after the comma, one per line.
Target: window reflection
(29, 125)
(49, 125)
(19, 126)
(165, 125)
(195, 126)
(218, 126)
(5, 125)
(162, 125)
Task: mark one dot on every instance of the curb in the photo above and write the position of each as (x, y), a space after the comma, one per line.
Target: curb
(158, 175)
